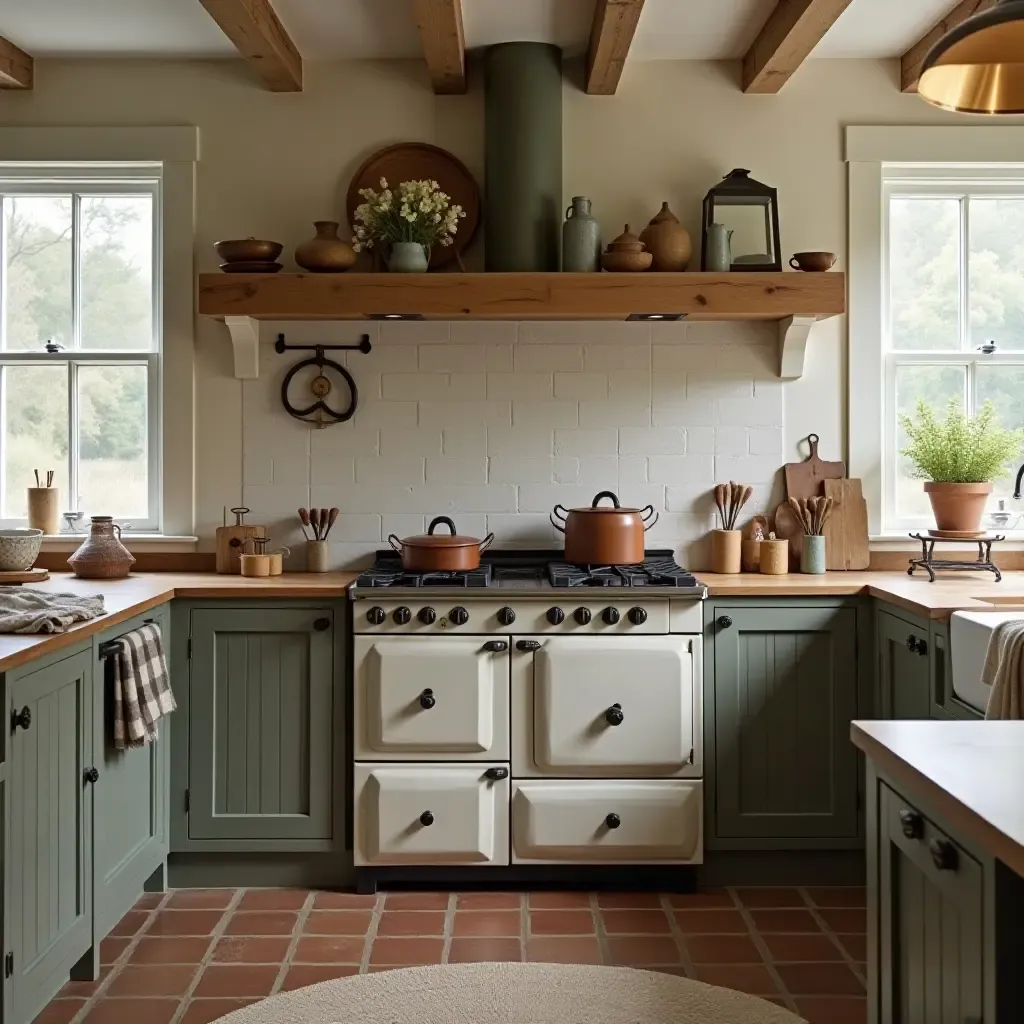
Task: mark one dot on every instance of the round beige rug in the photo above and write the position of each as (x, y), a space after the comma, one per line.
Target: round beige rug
(510, 993)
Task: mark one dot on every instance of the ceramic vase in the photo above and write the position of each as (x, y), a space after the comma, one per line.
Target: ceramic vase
(718, 257)
(667, 241)
(812, 554)
(102, 556)
(408, 258)
(326, 253)
(581, 239)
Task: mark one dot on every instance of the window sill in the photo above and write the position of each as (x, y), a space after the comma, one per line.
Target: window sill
(136, 542)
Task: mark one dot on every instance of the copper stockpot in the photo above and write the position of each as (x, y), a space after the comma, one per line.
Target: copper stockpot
(603, 535)
(440, 552)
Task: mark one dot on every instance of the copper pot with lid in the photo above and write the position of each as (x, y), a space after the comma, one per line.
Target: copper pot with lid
(440, 552)
(602, 534)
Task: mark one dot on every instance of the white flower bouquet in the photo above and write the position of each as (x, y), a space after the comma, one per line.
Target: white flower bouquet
(418, 212)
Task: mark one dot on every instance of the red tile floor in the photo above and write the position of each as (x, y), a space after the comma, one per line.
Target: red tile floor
(192, 955)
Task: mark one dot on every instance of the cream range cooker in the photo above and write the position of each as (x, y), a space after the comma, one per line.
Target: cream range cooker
(543, 715)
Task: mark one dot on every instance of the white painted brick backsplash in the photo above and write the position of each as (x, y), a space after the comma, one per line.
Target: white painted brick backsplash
(614, 412)
(470, 442)
(523, 530)
(543, 470)
(465, 358)
(652, 441)
(681, 470)
(581, 384)
(415, 387)
(415, 332)
(712, 385)
(630, 386)
(765, 440)
(519, 385)
(700, 440)
(337, 469)
(530, 440)
(617, 357)
(683, 412)
(596, 441)
(683, 359)
(544, 497)
(604, 473)
(402, 469)
(401, 441)
(466, 415)
(632, 469)
(553, 414)
(354, 528)
(745, 469)
(370, 415)
(402, 524)
(454, 499)
(731, 440)
(547, 358)
(476, 332)
(274, 496)
(384, 359)
(457, 471)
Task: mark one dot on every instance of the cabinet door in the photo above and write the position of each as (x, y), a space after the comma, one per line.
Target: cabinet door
(261, 719)
(49, 873)
(785, 694)
(931, 960)
(904, 669)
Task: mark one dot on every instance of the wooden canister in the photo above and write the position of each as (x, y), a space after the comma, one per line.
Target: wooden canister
(44, 509)
(277, 561)
(725, 551)
(255, 565)
(774, 557)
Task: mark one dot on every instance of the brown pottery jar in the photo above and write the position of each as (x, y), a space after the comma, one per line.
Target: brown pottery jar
(102, 556)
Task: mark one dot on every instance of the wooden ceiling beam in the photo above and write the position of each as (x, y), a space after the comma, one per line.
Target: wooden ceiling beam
(913, 59)
(444, 46)
(611, 35)
(261, 39)
(16, 66)
(792, 31)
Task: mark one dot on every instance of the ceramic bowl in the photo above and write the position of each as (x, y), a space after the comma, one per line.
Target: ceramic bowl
(19, 549)
(248, 250)
(813, 262)
(624, 262)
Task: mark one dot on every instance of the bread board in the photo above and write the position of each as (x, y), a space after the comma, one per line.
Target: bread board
(804, 479)
(846, 532)
(24, 576)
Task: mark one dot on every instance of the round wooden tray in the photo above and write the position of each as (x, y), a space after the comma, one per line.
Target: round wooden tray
(415, 161)
(25, 576)
(958, 534)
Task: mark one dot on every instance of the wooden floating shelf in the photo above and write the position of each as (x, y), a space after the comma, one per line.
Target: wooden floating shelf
(794, 300)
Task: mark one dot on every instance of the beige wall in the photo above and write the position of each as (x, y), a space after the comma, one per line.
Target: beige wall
(272, 163)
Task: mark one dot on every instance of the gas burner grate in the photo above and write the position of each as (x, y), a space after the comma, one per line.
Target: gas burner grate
(652, 572)
(388, 572)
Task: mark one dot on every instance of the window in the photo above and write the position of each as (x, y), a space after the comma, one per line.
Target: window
(80, 339)
(952, 309)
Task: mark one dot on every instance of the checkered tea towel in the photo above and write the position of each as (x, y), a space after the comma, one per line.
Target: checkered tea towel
(142, 686)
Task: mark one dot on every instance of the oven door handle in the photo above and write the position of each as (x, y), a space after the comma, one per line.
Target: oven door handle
(527, 645)
(496, 646)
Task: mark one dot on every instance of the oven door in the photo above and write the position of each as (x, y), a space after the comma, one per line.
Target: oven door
(431, 698)
(608, 707)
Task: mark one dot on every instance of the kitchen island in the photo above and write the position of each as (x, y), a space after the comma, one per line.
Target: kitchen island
(945, 863)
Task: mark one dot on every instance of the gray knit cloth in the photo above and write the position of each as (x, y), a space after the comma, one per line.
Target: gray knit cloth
(23, 610)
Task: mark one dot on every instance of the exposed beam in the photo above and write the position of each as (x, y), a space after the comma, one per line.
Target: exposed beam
(261, 39)
(792, 31)
(913, 59)
(15, 66)
(440, 25)
(611, 34)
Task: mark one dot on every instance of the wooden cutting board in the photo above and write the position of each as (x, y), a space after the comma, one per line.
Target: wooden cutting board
(804, 479)
(26, 576)
(846, 532)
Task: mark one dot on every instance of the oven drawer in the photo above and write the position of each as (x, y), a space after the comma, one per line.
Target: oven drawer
(431, 814)
(431, 698)
(639, 822)
(606, 706)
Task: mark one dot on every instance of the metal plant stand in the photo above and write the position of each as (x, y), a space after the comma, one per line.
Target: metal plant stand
(930, 563)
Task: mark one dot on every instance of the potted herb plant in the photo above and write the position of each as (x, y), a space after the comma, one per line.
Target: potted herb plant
(958, 458)
(407, 222)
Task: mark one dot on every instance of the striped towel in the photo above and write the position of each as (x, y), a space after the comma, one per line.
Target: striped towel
(142, 686)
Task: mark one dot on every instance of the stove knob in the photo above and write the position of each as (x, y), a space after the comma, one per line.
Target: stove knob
(506, 616)
(376, 616)
(403, 616)
(427, 615)
(582, 616)
(610, 616)
(556, 616)
(638, 616)
(458, 615)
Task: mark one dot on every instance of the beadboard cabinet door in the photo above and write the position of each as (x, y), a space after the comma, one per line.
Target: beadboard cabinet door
(785, 692)
(904, 666)
(49, 845)
(261, 721)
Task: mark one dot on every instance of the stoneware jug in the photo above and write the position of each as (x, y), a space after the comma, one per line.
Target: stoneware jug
(667, 241)
(326, 253)
(102, 556)
(719, 255)
(581, 239)
(408, 258)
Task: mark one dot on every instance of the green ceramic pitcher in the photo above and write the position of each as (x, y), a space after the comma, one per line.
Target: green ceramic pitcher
(408, 258)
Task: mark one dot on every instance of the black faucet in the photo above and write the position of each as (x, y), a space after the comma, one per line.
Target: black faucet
(1016, 486)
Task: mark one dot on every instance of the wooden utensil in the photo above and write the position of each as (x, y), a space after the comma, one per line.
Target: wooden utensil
(314, 522)
(804, 479)
(846, 529)
(719, 493)
(231, 541)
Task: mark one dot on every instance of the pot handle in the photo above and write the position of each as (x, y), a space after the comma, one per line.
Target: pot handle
(486, 542)
(395, 543)
(650, 519)
(605, 494)
(439, 521)
(559, 526)
(560, 511)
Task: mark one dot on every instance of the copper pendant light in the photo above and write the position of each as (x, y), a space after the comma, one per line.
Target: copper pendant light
(978, 67)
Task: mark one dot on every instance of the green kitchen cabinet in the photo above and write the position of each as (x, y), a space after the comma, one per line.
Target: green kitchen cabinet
(261, 766)
(48, 851)
(904, 665)
(787, 681)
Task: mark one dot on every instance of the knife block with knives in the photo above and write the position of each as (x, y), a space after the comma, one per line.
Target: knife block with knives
(231, 541)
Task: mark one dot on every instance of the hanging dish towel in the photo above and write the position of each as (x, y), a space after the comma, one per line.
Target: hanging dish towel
(24, 610)
(142, 686)
(1004, 671)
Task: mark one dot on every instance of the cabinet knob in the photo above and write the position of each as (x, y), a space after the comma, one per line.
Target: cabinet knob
(944, 855)
(321, 624)
(614, 715)
(91, 775)
(496, 646)
(724, 621)
(612, 820)
(427, 818)
(427, 699)
(922, 647)
(912, 824)
(496, 774)
(911, 642)
(21, 719)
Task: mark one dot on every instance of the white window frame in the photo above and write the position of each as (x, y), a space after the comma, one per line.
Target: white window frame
(882, 160)
(173, 152)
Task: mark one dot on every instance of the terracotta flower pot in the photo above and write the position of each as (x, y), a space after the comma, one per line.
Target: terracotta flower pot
(958, 506)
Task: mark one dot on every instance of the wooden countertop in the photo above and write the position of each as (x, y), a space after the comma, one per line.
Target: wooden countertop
(141, 591)
(968, 772)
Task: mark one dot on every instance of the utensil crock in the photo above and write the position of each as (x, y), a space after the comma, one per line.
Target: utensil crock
(726, 548)
(774, 557)
(603, 535)
(317, 555)
(440, 552)
(812, 555)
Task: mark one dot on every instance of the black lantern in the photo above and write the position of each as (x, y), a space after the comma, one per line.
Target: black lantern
(747, 213)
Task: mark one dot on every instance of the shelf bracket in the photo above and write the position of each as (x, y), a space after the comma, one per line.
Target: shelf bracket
(245, 341)
(794, 332)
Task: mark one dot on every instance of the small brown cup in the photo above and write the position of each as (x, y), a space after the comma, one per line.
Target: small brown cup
(813, 262)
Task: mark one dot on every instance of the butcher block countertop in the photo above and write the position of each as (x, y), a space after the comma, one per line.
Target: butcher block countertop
(968, 772)
(141, 591)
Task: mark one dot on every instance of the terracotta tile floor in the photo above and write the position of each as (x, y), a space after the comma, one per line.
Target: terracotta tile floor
(190, 956)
